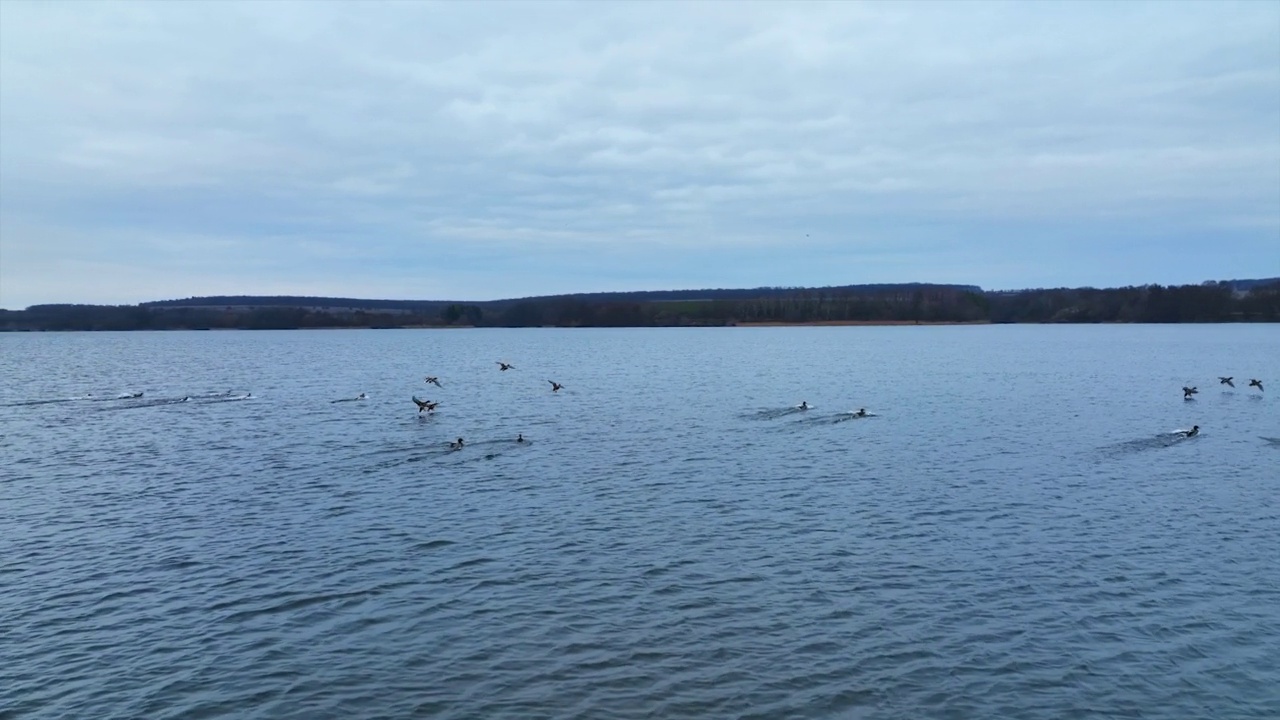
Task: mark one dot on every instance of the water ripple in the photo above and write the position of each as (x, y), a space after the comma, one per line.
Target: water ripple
(1015, 533)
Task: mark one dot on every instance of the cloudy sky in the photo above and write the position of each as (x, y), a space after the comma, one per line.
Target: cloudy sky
(484, 150)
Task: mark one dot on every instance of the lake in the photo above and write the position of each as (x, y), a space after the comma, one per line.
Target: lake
(1015, 531)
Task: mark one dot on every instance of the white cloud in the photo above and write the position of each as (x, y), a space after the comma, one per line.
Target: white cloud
(489, 133)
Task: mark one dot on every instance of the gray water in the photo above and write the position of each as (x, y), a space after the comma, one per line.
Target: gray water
(1014, 533)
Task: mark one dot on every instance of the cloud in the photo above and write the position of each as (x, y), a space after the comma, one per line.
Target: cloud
(552, 147)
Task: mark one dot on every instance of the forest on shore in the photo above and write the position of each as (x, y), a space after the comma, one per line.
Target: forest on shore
(1221, 301)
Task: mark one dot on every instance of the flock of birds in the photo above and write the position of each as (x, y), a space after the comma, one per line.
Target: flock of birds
(1189, 392)
(428, 406)
(1252, 382)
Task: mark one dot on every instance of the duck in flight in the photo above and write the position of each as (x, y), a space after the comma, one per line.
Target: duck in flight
(555, 386)
(434, 381)
(1255, 383)
(505, 366)
(425, 405)
(1226, 381)
(1187, 392)
(1194, 431)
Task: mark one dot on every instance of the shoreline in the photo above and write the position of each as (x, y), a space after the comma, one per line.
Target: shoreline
(861, 323)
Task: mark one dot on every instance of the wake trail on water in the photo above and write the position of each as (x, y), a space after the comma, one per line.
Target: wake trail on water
(26, 403)
(134, 399)
(216, 400)
(184, 400)
(158, 402)
(1163, 440)
(834, 419)
(775, 413)
(471, 451)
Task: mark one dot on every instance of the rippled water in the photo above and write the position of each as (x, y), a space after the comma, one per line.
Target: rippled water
(1013, 534)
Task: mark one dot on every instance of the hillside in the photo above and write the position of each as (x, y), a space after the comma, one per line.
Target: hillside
(1216, 301)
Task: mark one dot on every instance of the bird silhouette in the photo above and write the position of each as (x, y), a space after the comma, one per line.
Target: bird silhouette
(505, 366)
(1226, 381)
(555, 386)
(425, 405)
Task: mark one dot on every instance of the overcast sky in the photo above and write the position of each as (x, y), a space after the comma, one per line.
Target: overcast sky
(485, 150)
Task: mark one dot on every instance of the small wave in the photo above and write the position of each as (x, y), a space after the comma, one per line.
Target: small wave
(433, 545)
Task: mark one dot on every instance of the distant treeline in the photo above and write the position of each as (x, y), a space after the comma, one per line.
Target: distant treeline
(1208, 302)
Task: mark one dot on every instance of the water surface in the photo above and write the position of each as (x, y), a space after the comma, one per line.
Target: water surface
(1015, 532)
